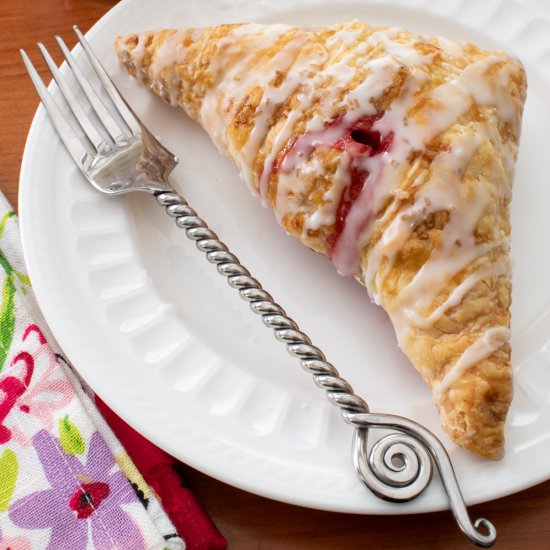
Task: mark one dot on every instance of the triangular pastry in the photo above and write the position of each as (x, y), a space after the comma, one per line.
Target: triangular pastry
(392, 154)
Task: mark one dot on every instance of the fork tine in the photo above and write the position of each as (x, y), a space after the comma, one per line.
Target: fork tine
(124, 110)
(103, 114)
(72, 142)
(82, 118)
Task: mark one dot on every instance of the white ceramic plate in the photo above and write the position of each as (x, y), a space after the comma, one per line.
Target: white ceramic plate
(161, 337)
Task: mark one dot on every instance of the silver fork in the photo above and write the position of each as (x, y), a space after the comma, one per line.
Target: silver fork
(117, 154)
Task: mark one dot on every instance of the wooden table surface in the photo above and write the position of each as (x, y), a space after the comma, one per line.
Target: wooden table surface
(246, 520)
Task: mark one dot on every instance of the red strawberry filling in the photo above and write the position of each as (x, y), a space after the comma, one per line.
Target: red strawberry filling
(358, 139)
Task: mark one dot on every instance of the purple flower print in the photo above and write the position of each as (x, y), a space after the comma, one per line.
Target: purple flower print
(81, 496)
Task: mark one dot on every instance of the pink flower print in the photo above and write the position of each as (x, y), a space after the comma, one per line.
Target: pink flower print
(12, 388)
(34, 329)
(82, 498)
(15, 543)
(48, 392)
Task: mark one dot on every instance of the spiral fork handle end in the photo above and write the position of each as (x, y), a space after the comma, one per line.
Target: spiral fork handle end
(398, 467)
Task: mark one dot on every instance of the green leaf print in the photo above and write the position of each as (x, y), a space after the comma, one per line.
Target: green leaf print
(6, 217)
(8, 477)
(7, 318)
(23, 278)
(70, 437)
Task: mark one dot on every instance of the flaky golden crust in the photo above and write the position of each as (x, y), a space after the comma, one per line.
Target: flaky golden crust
(454, 327)
(474, 409)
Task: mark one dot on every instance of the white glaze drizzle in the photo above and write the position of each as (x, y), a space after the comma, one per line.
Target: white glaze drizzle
(441, 191)
(457, 248)
(325, 214)
(438, 191)
(343, 36)
(243, 42)
(338, 74)
(456, 296)
(491, 340)
(166, 55)
(405, 52)
(380, 74)
(452, 48)
(289, 190)
(271, 99)
(449, 102)
(137, 54)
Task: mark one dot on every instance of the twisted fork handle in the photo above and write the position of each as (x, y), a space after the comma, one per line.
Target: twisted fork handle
(399, 466)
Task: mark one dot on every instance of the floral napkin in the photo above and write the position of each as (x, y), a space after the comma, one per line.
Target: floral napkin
(66, 480)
